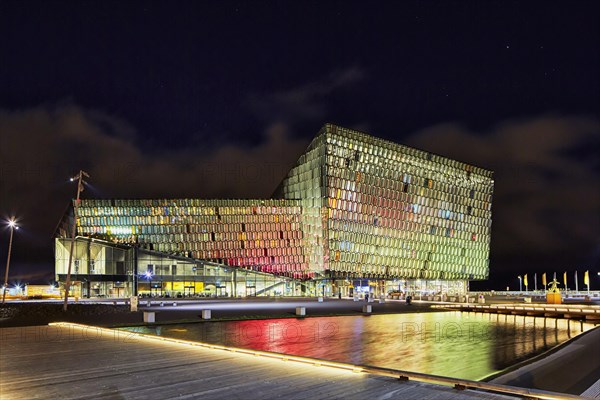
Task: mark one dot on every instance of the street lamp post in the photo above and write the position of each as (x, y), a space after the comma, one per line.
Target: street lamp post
(12, 225)
(520, 285)
(80, 182)
(149, 277)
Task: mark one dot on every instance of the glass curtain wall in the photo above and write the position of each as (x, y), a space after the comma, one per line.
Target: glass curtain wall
(97, 270)
(260, 235)
(353, 207)
(102, 269)
(394, 211)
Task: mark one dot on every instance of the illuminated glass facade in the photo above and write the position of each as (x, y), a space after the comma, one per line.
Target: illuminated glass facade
(353, 207)
(106, 269)
(263, 235)
(382, 210)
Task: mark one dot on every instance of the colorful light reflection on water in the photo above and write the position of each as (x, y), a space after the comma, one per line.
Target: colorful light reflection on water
(469, 346)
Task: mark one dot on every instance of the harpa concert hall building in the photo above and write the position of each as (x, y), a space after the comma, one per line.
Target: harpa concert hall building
(356, 213)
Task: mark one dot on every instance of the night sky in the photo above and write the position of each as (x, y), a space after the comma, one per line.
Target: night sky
(218, 99)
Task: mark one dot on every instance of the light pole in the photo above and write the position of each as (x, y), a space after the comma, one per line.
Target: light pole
(12, 225)
(80, 182)
(148, 275)
(520, 286)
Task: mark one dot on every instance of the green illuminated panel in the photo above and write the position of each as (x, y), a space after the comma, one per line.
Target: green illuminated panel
(394, 211)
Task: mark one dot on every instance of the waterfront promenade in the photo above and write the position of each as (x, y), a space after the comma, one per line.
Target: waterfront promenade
(116, 312)
(77, 362)
(60, 360)
(106, 313)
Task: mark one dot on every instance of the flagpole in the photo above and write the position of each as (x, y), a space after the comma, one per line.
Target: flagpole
(576, 284)
(535, 281)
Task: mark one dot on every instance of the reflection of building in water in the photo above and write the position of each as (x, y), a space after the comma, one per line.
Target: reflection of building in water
(460, 345)
(519, 338)
(355, 213)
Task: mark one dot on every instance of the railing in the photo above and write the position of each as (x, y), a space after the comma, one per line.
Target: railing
(266, 289)
(563, 308)
(535, 293)
(460, 384)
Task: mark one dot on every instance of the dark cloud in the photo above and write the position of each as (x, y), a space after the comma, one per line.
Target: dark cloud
(546, 199)
(305, 102)
(41, 147)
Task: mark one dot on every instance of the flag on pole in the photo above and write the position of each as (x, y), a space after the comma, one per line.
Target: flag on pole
(544, 280)
(525, 280)
(586, 278)
(565, 279)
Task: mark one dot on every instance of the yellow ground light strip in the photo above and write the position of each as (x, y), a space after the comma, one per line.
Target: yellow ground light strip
(266, 354)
